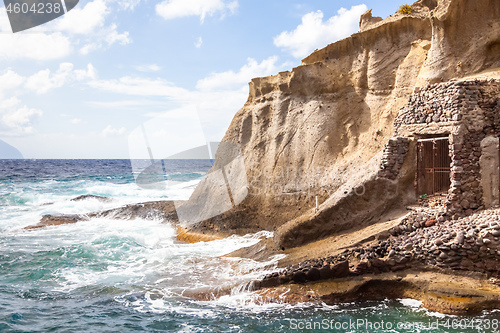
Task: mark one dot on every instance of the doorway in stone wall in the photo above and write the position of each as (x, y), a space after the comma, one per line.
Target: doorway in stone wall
(433, 166)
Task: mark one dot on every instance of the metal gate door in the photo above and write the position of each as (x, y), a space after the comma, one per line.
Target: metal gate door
(433, 166)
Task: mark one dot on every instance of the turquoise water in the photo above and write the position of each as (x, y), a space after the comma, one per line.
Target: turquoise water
(120, 276)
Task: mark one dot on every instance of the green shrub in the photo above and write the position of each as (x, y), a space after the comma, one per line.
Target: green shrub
(405, 9)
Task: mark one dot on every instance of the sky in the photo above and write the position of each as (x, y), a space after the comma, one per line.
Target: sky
(85, 84)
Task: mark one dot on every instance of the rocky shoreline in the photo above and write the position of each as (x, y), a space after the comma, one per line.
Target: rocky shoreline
(338, 144)
(427, 256)
(453, 294)
(424, 241)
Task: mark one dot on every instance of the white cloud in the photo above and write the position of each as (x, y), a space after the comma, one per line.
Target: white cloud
(198, 43)
(82, 74)
(148, 68)
(9, 103)
(34, 46)
(87, 48)
(4, 20)
(313, 33)
(217, 97)
(105, 37)
(216, 109)
(231, 80)
(112, 36)
(83, 28)
(75, 121)
(43, 81)
(127, 103)
(83, 20)
(111, 131)
(10, 80)
(171, 9)
(139, 87)
(17, 120)
(125, 4)
(90, 21)
(128, 4)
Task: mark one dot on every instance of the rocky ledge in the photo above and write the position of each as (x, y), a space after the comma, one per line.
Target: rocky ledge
(452, 266)
(445, 293)
(426, 240)
(160, 210)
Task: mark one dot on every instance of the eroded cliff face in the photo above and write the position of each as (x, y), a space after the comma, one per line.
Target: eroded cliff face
(318, 130)
(465, 40)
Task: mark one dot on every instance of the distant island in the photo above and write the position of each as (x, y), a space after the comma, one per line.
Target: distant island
(8, 152)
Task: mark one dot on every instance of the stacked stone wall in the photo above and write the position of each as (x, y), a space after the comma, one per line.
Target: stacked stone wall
(447, 102)
(468, 111)
(394, 154)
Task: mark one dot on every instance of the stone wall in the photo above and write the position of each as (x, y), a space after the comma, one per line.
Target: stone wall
(469, 244)
(468, 111)
(446, 102)
(481, 107)
(489, 163)
(394, 154)
(465, 194)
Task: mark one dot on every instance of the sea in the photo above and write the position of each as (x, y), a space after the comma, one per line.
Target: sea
(107, 275)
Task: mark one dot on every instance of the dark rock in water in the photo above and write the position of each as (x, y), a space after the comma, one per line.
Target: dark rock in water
(51, 220)
(299, 277)
(313, 274)
(160, 210)
(90, 196)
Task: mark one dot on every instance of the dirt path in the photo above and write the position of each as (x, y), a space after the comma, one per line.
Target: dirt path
(338, 243)
(325, 247)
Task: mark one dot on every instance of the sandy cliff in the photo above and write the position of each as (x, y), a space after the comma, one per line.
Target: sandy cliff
(319, 129)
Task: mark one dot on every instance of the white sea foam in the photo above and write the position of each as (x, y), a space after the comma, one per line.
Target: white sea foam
(411, 303)
(103, 252)
(146, 253)
(41, 201)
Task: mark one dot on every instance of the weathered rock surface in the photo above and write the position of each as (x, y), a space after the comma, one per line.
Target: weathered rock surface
(90, 197)
(444, 293)
(318, 130)
(51, 220)
(470, 244)
(159, 210)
